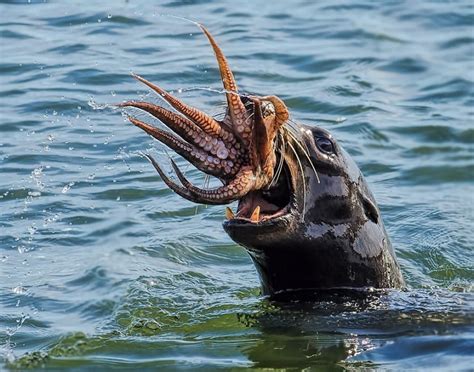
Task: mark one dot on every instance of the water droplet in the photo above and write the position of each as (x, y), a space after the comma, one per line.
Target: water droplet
(97, 106)
(67, 187)
(19, 290)
(109, 16)
(37, 175)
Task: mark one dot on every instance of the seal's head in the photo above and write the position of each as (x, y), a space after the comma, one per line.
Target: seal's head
(319, 225)
(305, 213)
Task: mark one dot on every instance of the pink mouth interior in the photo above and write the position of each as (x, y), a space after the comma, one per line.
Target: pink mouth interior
(274, 202)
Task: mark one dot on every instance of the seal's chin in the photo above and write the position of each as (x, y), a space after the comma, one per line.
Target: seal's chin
(263, 207)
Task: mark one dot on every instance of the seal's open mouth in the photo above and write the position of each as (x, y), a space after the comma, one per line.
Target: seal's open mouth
(266, 204)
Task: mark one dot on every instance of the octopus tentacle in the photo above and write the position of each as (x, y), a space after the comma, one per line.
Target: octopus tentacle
(184, 127)
(200, 159)
(181, 191)
(189, 131)
(222, 195)
(237, 110)
(207, 123)
(264, 136)
(239, 186)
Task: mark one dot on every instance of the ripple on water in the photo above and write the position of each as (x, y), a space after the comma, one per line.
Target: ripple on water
(103, 266)
(457, 42)
(405, 66)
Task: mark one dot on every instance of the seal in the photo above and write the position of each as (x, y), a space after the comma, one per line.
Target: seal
(305, 213)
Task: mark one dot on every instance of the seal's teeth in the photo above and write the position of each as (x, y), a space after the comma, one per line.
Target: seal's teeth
(256, 214)
(228, 213)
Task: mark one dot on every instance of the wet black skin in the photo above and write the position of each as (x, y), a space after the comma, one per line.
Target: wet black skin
(332, 237)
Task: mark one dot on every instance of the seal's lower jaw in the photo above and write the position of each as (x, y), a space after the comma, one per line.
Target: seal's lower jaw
(262, 212)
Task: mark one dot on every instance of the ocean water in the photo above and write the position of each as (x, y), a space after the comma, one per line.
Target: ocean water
(102, 266)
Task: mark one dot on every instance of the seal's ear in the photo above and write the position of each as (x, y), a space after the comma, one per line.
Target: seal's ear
(371, 211)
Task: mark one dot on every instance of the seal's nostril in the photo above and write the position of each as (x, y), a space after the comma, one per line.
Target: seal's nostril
(370, 210)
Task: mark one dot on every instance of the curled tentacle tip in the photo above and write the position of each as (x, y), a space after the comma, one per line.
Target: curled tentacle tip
(149, 157)
(155, 164)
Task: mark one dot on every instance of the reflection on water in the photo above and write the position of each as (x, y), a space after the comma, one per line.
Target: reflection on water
(103, 266)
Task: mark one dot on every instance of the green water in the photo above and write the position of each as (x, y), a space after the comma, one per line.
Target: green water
(102, 266)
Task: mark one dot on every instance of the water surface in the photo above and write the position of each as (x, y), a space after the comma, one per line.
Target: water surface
(102, 266)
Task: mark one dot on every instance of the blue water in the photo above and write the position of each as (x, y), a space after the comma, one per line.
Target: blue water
(102, 266)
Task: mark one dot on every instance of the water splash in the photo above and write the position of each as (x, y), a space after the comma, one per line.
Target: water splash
(100, 106)
(67, 187)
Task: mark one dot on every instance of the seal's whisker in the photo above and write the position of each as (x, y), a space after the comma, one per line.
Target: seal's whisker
(293, 127)
(295, 134)
(302, 173)
(292, 124)
(281, 150)
(305, 152)
(250, 117)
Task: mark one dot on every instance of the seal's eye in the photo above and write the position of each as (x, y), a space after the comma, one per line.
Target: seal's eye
(325, 145)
